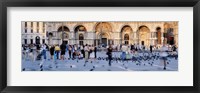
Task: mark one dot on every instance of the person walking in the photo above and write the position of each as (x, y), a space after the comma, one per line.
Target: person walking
(164, 54)
(109, 53)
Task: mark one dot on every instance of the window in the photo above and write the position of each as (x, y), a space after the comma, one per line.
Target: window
(25, 30)
(38, 24)
(81, 42)
(31, 41)
(31, 30)
(81, 38)
(25, 24)
(43, 30)
(25, 41)
(43, 25)
(43, 41)
(126, 42)
(31, 24)
(126, 38)
(37, 27)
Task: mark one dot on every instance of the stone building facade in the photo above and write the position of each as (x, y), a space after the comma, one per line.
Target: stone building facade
(96, 33)
(33, 33)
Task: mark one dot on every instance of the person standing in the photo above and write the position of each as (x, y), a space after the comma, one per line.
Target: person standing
(70, 51)
(95, 52)
(86, 49)
(52, 51)
(109, 53)
(82, 51)
(63, 49)
(151, 47)
(44, 49)
(57, 50)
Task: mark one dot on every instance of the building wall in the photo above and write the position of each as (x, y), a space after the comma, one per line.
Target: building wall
(91, 34)
(36, 31)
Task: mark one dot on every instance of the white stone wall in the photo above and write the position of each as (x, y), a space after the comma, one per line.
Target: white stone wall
(32, 35)
(90, 35)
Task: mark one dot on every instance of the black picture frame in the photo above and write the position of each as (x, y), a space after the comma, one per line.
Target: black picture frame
(100, 3)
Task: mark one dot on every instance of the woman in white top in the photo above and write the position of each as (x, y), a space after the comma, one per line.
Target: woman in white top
(86, 49)
(164, 55)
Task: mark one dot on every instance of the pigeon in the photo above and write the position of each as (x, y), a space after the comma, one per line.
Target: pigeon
(23, 69)
(41, 66)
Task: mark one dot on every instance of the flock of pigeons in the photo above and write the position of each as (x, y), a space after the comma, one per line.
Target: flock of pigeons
(139, 59)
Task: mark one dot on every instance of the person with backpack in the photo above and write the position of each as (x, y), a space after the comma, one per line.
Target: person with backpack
(57, 50)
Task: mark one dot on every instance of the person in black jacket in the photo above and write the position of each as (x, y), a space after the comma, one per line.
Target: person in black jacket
(63, 50)
(109, 53)
(52, 51)
(95, 52)
(151, 48)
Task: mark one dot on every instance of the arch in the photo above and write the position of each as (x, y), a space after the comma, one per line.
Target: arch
(158, 35)
(143, 28)
(143, 35)
(126, 28)
(63, 28)
(126, 32)
(103, 26)
(80, 28)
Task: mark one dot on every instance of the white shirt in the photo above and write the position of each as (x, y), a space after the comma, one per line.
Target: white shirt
(163, 51)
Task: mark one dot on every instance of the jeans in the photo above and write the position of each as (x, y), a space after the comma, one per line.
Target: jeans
(57, 54)
(109, 58)
(44, 54)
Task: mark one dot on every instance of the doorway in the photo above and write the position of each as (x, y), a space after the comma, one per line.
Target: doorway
(104, 41)
(142, 42)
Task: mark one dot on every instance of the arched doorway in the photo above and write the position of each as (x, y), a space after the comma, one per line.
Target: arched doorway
(143, 35)
(126, 39)
(79, 34)
(104, 39)
(126, 32)
(63, 33)
(158, 35)
(81, 38)
(103, 30)
(37, 40)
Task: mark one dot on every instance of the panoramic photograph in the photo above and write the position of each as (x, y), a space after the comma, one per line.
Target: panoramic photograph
(99, 46)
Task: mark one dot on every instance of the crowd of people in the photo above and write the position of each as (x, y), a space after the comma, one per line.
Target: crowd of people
(86, 52)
